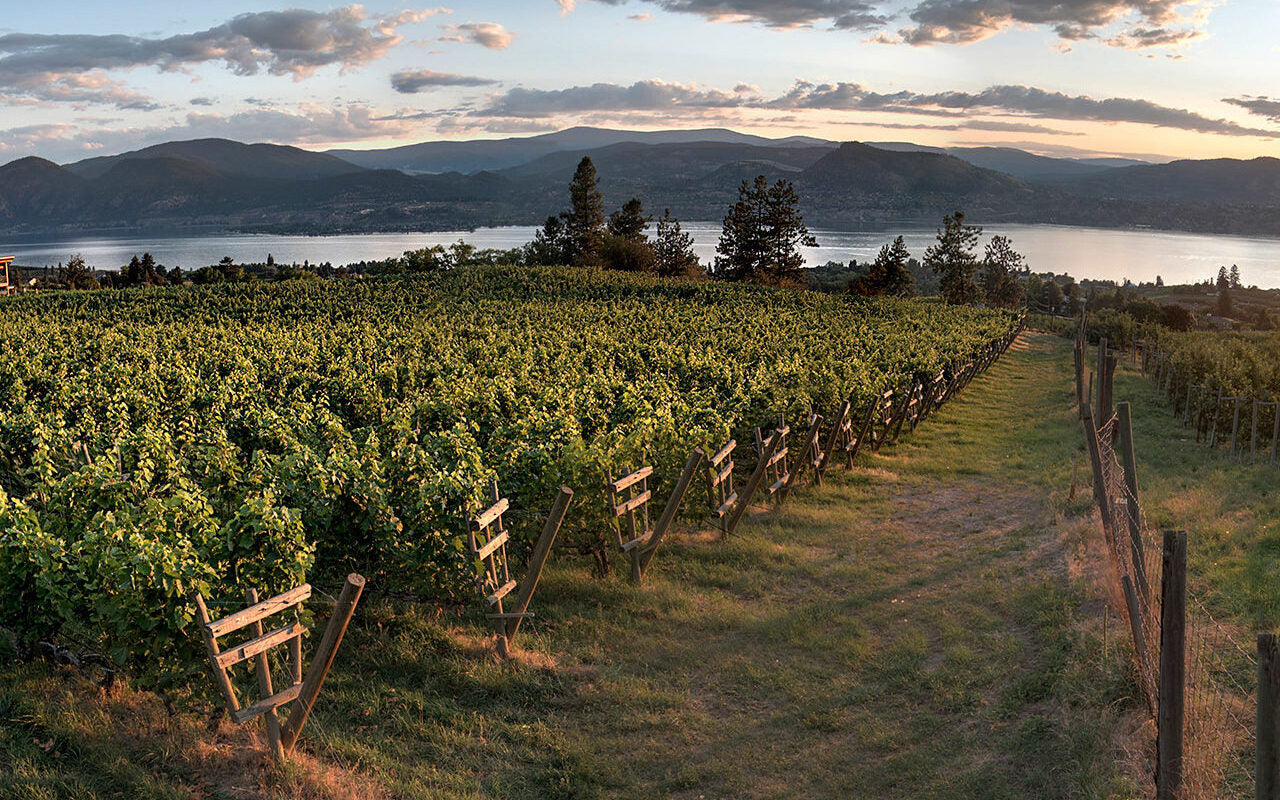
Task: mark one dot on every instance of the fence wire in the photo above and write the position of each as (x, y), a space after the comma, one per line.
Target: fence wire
(1220, 694)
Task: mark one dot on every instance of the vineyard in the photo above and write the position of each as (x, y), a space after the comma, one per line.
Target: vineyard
(157, 442)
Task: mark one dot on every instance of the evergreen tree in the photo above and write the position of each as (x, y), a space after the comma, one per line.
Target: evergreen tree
(952, 259)
(762, 234)
(1235, 277)
(1159, 281)
(584, 225)
(1001, 264)
(673, 254)
(77, 275)
(888, 274)
(550, 246)
(1224, 281)
(630, 222)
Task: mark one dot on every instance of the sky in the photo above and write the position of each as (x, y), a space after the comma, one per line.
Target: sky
(1153, 79)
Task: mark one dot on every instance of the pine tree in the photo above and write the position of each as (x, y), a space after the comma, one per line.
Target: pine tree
(1001, 287)
(584, 225)
(630, 222)
(762, 234)
(888, 274)
(550, 245)
(952, 259)
(1235, 277)
(673, 254)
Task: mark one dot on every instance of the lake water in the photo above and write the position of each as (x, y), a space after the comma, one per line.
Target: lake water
(1138, 255)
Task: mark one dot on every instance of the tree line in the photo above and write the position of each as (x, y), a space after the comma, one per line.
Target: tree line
(761, 241)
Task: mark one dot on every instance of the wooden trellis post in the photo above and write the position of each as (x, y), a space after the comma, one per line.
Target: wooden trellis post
(488, 538)
(629, 497)
(884, 418)
(771, 447)
(281, 739)
(775, 466)
(840, 438)
(809, 455)
(720, 491)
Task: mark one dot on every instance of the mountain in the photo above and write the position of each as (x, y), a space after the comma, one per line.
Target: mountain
(37, 189)
(215, 184)
(496, 154)
(232, 158)
(1221, 181)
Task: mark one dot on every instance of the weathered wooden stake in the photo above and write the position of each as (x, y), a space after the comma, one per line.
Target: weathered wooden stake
(1139, 641)
(670, 509)
(1137, 548)
(323, 659)
(1095, 461)
(837, 425)
(806, 456)
(1172, 689)
(263, 669)
(541, 551)
(753, 483)
(1267, 764)
(1235, 424)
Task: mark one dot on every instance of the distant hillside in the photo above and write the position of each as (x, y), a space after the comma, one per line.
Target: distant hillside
(233, 158)
(1225, 181)
(1019, 163)
(496, 154)
(215, 184)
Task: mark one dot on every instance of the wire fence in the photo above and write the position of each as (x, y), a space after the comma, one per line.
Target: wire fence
(1206, 710)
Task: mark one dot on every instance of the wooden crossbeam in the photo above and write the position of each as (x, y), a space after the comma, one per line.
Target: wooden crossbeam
(259, 611)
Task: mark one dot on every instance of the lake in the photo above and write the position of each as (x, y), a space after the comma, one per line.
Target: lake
(1138, 255)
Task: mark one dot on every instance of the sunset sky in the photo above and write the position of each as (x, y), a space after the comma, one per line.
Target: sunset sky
(1147, 78)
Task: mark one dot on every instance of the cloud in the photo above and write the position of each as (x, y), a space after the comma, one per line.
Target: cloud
(1149, 21)
(566, 6)
(1262, 106)
(639, 96)
(201, 101)
(1020, 101)
(640, 17)
(304, 125)
(785, 14)
(417, 81)
(295, 42)
(486, 34)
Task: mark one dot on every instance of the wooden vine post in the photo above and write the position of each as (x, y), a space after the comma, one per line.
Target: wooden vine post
(720, 492)
(839, 438)
(305, 690)
(771, 446)
(1124, 425)
(629, 498)
(488, 539)
(810, 455)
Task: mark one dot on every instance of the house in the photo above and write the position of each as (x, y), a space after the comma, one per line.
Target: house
(8, 285)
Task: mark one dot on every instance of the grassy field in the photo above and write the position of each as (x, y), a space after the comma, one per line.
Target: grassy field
(926, 625)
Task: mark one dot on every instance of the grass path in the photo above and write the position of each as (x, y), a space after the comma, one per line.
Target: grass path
(919, 627)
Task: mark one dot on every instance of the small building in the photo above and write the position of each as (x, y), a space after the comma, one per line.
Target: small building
(8, 284)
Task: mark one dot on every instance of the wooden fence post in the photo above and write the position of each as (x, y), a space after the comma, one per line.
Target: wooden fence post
(1139, 641)
(1129, 462)
(840, 423)
(323, 659)
(1235, 424)
(538, 560)
(1095, 461)
(263, 669)
(1267, 766)
(669, 510)
(806, 458)
(1172, 689)
(753, 483)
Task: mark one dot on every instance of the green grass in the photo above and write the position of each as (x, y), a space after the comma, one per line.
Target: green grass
(915, 628)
